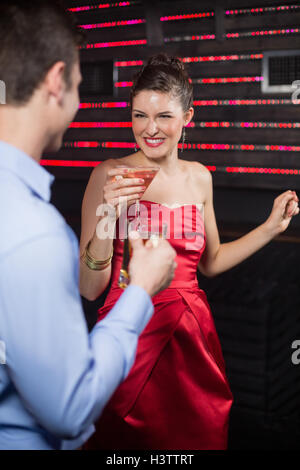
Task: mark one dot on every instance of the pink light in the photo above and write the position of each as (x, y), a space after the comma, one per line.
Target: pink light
(190, 146)
(117, 104)
(118, 145)
(103, 5)
(218, 80)
(69, 163)
(232, 57)
(99, 45)
(234, 35)
(202, 37)
(285, 171)
(187, 17)
(262, 33)
(242, 102)
(231, 102)
(207, 81)
(247, 11)
(96, 125)
(123, 84)
(84, 144)
(128, 63)
(213, 168)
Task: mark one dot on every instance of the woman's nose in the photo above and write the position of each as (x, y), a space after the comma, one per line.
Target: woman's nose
(151, 128)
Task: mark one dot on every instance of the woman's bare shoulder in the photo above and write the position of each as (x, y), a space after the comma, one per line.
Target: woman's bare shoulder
(197, 170)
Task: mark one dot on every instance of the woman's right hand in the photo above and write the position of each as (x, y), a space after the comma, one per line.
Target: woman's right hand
(120, 189)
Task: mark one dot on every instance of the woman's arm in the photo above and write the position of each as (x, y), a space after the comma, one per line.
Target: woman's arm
(107, 192)
(93, 283)
(218, 257)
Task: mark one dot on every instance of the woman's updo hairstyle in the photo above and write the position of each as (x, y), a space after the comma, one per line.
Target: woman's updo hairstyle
(167, 75)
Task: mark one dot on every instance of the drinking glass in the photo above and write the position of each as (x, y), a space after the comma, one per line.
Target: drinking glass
(145, 235)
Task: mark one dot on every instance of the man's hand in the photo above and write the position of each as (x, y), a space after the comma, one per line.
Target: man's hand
(152, 265)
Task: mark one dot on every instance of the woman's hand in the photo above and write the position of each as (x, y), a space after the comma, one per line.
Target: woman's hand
(285, 207)
(120, 189)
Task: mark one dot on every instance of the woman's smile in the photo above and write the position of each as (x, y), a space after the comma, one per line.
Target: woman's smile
(154, 141)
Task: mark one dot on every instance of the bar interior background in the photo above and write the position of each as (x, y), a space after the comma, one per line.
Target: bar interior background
(242, 57)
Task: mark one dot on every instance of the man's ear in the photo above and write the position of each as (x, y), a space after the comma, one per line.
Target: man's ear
(188, 116)
(55, 81)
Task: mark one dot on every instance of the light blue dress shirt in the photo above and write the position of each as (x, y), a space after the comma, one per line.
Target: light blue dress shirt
(57, 378)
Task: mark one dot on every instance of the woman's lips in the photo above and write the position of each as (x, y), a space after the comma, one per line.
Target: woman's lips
(154, 142)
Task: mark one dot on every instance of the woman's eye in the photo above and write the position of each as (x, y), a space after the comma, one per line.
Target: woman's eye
(165, 116)
(138, 115)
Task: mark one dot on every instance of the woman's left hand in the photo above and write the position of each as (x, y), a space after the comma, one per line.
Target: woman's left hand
(285, 207)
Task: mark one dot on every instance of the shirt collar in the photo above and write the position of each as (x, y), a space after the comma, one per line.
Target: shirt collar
(26, 169)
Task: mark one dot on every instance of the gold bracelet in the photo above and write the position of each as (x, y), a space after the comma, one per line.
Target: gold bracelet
(94, 264)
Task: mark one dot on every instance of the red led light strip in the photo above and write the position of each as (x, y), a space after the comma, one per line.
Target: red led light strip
(202, 37)
(99, 45)
(212, 102)
(190, 16)
(68, 163)
(232, 57)
(278, 171)
(271, 32)
(246, 102)
(216, 80)
(207, 81)
(193, 124)
(242, 147)
(213, 168)
(123, 84)
(190, 146)
(233, 35)
(247, 11)
(97, 125)
(128, 63)
(109, 104)
(112, 24)
(103, 5)
(246, 125)
(244, 11)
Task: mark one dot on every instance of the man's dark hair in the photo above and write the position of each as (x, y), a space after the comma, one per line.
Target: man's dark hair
(34, 35)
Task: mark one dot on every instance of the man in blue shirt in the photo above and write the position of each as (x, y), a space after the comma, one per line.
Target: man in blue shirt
(55, 378)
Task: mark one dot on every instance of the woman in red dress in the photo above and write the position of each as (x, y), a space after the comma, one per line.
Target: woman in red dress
(177, 395)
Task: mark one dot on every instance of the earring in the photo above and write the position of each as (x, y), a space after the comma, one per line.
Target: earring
(183, 139)
(135, 147)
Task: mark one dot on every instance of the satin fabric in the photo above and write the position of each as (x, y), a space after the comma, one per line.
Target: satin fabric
(177, 395)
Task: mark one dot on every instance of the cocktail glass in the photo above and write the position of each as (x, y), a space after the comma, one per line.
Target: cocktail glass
(147, 173)
(145, 235)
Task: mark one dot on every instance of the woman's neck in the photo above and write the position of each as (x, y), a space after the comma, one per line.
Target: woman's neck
(169, 164)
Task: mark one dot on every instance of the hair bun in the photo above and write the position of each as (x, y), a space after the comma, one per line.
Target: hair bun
(165, 74)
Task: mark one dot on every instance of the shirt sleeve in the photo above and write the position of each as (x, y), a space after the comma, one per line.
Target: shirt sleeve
(63, 375)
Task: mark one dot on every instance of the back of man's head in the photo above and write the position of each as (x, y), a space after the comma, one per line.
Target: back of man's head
(34, 35)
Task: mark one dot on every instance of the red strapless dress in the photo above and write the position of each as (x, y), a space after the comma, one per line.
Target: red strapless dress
(176, 395)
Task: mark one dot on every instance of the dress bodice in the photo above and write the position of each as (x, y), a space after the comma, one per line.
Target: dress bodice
(185, 232)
